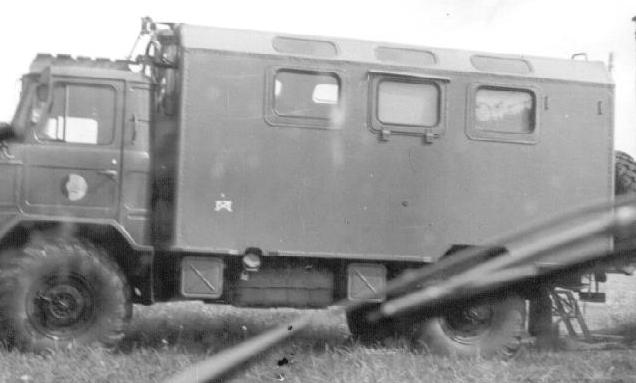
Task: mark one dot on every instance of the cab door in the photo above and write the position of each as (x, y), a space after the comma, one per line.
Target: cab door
(73, 164)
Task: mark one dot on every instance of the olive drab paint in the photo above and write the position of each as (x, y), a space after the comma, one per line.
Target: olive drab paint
(414, 151)
(298, 149)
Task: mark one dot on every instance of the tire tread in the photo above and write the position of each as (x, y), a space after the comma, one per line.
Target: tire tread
(46, 248)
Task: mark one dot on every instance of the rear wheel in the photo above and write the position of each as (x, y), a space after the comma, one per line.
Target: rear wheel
(624, 183)
(625, 174)
(489, 329)
(56, 292)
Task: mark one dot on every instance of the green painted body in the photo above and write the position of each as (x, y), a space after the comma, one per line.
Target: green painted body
(341, 190)
(116, 173)
(203, 163)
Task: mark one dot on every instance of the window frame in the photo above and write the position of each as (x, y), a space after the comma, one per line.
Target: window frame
(384, 128)
(117, 103)
(273, 118)
(528, 138)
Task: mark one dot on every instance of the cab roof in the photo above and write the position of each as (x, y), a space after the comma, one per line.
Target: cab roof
(404, 57)
(64, 64)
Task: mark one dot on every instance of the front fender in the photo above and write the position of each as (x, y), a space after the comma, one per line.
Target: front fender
(12, 224)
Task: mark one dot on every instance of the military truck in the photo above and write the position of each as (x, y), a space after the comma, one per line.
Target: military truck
(267, 170)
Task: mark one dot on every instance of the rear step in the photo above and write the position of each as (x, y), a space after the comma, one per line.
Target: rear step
(592, 297)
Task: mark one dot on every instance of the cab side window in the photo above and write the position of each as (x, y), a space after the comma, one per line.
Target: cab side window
(82, 114)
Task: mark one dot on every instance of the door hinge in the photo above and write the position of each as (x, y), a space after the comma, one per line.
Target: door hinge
(429, 137)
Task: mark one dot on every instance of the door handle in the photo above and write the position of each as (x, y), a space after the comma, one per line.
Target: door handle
(134, 129)
(109, 173)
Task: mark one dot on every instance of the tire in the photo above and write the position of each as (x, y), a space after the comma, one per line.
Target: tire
(56, 292)
(624, 183)
(624, 173)
(487, 330)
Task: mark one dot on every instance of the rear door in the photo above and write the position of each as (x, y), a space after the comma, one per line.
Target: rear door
(73, 165)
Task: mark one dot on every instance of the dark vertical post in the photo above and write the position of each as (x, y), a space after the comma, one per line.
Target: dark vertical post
(540, 318)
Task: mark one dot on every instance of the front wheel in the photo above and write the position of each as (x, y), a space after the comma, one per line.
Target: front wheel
(56, 292)
(489, 330)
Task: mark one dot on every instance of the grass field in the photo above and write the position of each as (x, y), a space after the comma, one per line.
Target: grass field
(165, 338)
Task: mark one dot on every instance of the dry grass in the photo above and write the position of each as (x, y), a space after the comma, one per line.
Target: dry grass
(166, 338)
(620, 309)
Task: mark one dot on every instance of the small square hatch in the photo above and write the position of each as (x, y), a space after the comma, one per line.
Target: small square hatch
(365, 281)
(202, 277)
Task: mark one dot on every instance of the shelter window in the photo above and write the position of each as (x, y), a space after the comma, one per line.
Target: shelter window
(504, 110)
(83, 114)
(312, 95)
(504, 113)
(408, 103)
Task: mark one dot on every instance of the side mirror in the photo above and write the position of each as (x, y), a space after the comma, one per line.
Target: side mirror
(45, 77)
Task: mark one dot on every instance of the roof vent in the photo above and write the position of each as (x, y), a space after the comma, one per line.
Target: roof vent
(500, 64)
(318, 48)
(405, 56)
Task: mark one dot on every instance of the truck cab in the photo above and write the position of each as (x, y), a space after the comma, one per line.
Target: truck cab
(82, 149)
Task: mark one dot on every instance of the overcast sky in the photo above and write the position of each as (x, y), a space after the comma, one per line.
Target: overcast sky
(533, 27)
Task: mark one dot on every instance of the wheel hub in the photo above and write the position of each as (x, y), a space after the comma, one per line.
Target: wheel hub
(63, 303)
(466, 325)
(61, 307)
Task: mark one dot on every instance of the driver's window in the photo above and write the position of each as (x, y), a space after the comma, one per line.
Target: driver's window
(83, 114)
